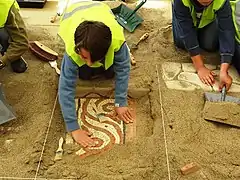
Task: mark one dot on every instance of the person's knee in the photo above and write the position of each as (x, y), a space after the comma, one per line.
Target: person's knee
(209, 46)
(178, 42)
(4, 40)
(85, 73)
(208, 37)
(109, 73)
(84, 76)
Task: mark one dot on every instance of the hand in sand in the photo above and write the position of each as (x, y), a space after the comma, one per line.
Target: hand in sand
(206, 76)
(225, 80)
(83, 138)
(125, 114)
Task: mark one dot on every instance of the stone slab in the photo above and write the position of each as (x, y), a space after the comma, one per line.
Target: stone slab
(188, 67)
(170, 70)
(194, 79)
(180, 85)
(234, 87)
(234, 74)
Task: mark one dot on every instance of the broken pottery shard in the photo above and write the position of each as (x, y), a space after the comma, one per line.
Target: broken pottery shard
(189, 168)
(180, 85)
(170, 70)
(234, 74)
(194, 79)
(188, 67)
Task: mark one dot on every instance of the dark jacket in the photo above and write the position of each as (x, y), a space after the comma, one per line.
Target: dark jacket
(189, 34)
(18, 43)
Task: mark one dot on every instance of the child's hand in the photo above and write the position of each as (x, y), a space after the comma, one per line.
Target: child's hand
(206, 76)
(83, 138)
(125, 114)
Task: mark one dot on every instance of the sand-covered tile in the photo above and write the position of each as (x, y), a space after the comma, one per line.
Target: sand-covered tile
(181, 85)
(194, 79)
(170, 70)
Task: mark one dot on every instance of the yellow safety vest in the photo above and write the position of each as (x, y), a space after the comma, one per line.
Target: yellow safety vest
(236, 18)
(5, 6)
(91, 11)
(208, 14)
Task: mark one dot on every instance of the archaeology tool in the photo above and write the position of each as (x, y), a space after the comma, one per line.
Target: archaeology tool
(42, 51)
(53, 64)
(132, 59)
(61, 7)
(6, 112)
(142, 38)
(220, 97)
(222, 108)
(59, 152)
(127, 17)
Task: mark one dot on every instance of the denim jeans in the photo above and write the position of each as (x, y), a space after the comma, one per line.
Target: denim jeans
(236, 57)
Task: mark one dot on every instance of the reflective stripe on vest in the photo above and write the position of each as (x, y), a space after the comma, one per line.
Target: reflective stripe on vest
(75, 14)
(236, 18)
(208, 14)
(5, 6)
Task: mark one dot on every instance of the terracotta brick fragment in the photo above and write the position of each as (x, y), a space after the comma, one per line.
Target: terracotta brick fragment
(190, 168)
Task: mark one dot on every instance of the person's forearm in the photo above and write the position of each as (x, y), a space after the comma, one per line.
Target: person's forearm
(122, 71)
(197, 61)
(67, 90)
(224, 67)
(17, 32)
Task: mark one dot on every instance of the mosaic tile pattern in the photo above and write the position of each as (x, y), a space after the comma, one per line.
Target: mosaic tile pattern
(96, 116)
(183, 76)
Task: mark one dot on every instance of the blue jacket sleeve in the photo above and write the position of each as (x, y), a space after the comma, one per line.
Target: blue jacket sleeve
(187, 31)
(67, 90)
(226, 33)
(122, 71)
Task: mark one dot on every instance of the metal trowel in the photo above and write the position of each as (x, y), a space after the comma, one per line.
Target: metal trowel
(220, 97)
(6, 111)
(222, 108)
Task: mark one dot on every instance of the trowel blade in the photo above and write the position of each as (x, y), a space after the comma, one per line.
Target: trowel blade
(214, 97)
(6, 112)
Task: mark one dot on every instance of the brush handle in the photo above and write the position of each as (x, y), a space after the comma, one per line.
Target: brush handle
(60, 144)
(138, 6)
(143, 38)
(223, 93)
(57, 70)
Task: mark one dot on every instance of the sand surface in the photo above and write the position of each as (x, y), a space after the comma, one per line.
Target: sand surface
(189, 137)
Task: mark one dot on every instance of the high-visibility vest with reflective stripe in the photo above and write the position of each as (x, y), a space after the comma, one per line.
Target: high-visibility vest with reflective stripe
(5, 6)
(91, 11)
(208, 14)
(236, 18)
